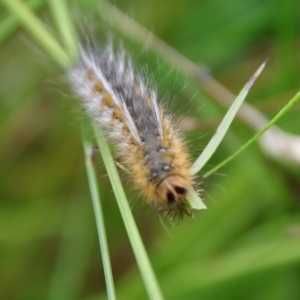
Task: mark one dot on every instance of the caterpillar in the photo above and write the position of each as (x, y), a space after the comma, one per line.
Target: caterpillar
(125, 106)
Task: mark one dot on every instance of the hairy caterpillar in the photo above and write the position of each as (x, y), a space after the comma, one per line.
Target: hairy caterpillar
(151, 148)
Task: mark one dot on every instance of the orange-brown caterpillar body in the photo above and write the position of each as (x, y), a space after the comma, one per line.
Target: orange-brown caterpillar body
(126, 108)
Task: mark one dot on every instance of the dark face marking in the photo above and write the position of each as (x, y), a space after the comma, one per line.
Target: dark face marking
(172, 191)
(180, 190)
(171, 198)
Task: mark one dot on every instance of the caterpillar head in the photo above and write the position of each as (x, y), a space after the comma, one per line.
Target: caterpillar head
(172, 192)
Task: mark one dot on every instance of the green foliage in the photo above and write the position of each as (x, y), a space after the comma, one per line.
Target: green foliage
(245, 245)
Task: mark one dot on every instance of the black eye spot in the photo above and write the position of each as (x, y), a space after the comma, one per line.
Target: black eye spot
(180, 190)
(171, 198)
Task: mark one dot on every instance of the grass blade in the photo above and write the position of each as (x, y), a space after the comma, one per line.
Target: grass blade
(88, 151)
(53, 48)
(65, 26)
(38, 30)
(138, 247)
(11, 23)
(223, 127)
(194, 200)
(256, 136)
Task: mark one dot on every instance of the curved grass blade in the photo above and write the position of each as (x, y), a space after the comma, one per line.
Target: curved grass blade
(223, 127)
(256, 136)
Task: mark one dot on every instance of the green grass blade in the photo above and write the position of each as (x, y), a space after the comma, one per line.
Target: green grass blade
(88, 151)
(65, 26)
(11, 23)
(195, 200)
(138, 247)
(52, 47)
(257, 135)
(38, 30)
(223, 127)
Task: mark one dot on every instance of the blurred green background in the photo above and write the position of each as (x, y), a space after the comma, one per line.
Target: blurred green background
(245, 245)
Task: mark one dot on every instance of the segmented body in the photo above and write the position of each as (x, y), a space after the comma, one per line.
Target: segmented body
(126, 108)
